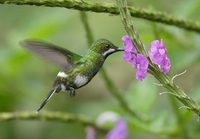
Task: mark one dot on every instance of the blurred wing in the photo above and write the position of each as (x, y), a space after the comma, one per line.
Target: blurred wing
(59, 56)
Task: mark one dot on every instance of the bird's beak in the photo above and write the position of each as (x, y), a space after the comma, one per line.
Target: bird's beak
(120, 49)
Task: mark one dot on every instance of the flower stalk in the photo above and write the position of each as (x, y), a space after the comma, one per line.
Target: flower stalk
(153, 69)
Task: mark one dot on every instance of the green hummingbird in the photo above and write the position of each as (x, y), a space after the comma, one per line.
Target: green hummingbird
(77, 70)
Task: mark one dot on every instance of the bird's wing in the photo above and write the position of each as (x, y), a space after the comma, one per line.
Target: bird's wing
(59, 56)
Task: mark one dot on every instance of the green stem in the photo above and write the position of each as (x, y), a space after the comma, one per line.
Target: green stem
(50, 116)
(89, 35)
(179, 118)
(107, 80)
(62, 117)
(82, 5)
(117, 94)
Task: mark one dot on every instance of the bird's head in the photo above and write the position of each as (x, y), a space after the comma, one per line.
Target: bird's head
(104, 47)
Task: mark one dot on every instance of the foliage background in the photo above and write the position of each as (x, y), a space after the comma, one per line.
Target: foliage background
(25, 79)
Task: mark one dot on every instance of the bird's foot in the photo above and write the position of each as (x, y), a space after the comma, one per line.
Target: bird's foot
(72, 91)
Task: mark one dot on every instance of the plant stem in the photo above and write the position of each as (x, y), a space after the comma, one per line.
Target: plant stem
(89, 35)
(179, 118)
(107, 80)
(183, 132)
(83, 5)
(117, 94)
(50, 116)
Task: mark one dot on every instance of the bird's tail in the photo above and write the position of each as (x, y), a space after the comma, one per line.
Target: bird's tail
(51, 93)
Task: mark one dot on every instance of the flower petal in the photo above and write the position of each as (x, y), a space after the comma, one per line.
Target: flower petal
(141, 74)
(165, 65)
(158, 55)
(141, 67)
(157, 52)
(120, 131)
(128, 45)
(129, 57)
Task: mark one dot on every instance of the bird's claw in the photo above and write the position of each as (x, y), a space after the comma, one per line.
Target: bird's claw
(72, 91)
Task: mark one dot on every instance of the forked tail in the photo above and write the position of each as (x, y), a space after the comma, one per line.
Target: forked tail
(51, 93)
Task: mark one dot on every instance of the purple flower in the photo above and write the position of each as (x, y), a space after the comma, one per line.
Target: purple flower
(120, 131)
(129, 50)
(158, 55)
(141, 66)
(157, 52)
(90, 133)
(129, 57)
(138, 61)
(165, 65)
(128, 45)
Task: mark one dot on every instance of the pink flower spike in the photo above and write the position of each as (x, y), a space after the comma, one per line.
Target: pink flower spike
(129, 57)
(141, 67)
(158, 55)
(157, 51)
(165, 65)
(129, 50)
(138, 61)
(128, 45)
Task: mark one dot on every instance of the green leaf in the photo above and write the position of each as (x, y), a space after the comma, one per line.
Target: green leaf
(161, 124)
(142, 95)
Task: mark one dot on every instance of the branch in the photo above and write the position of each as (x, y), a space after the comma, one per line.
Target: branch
(82, 5)
(49, 116)
(62, 117)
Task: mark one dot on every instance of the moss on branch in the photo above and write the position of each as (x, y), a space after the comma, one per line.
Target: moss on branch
(111, 8)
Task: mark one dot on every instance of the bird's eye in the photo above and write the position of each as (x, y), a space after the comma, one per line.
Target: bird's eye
(107, 46)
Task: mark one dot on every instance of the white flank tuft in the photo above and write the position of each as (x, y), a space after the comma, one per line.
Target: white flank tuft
(62, 74)
(80, 80)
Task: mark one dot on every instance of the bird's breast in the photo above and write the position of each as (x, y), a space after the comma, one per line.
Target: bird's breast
(81, 80)
(86, 71)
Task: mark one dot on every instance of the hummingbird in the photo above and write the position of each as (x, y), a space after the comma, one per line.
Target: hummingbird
(77, 70)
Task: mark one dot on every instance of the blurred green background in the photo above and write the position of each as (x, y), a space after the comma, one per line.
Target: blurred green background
(25, 79)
